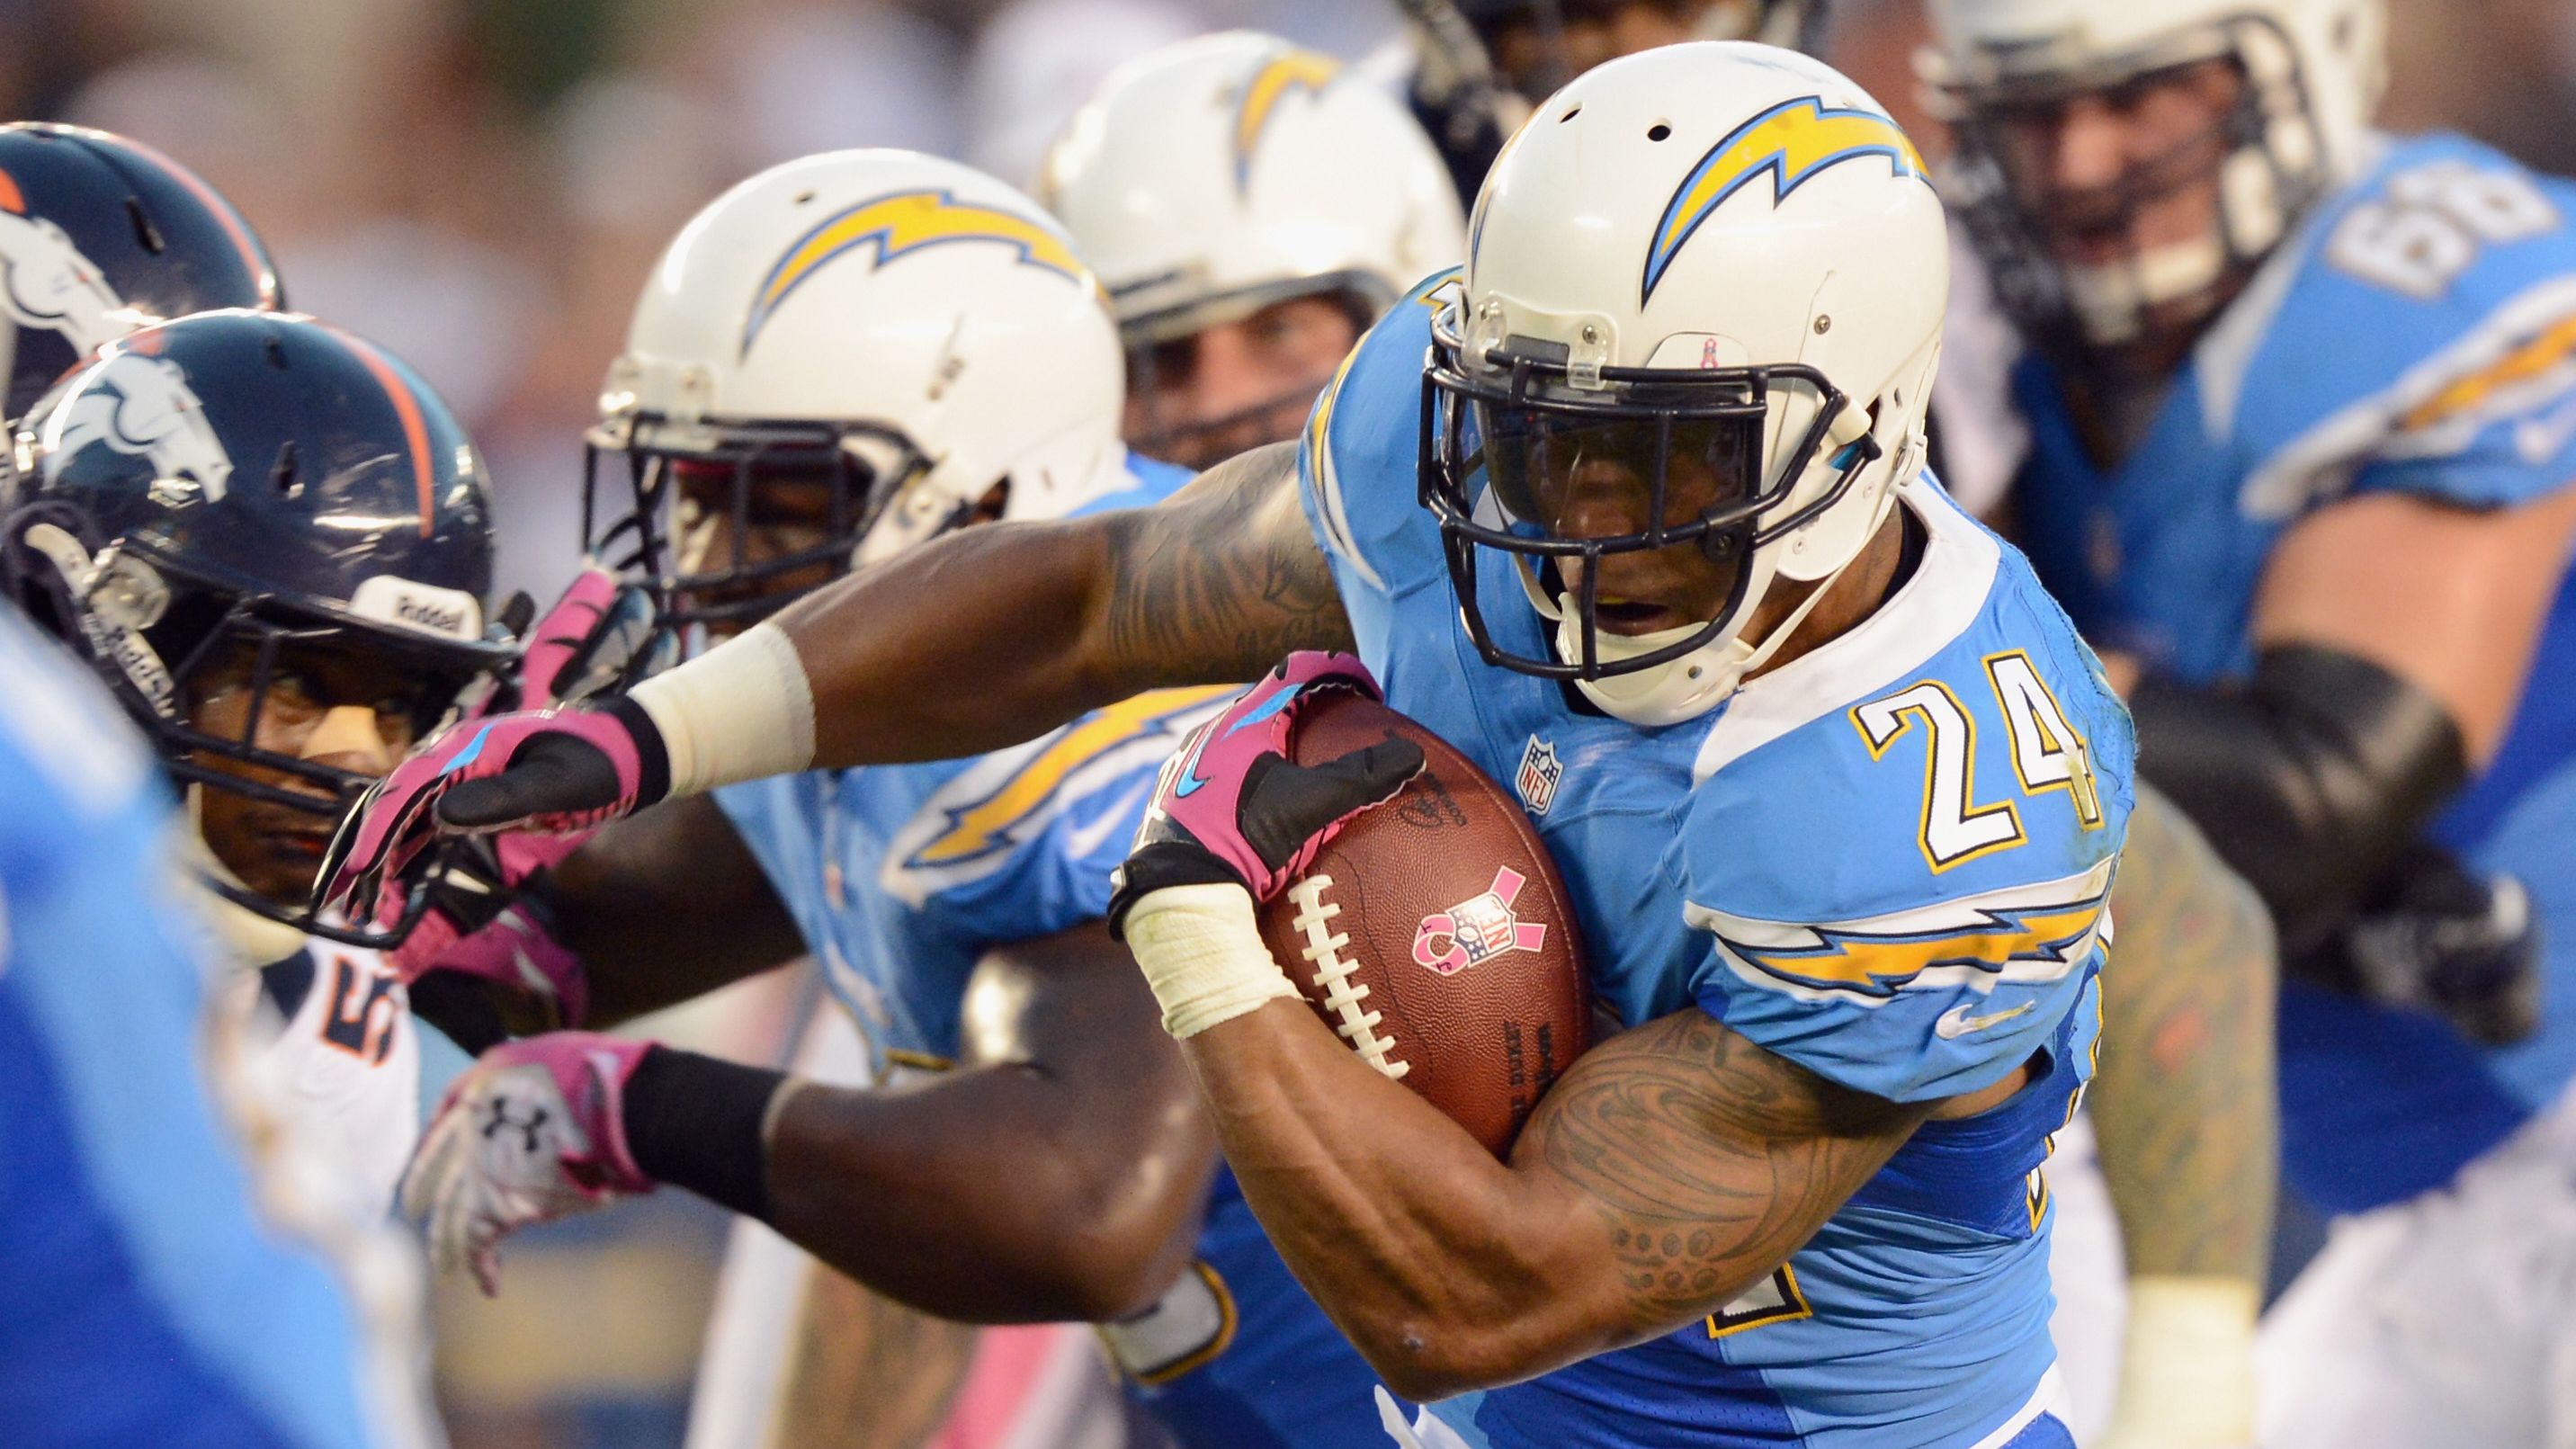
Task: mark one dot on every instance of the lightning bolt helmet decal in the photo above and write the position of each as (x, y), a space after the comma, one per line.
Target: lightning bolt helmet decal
(1279, 77)
(1791, 142)
(898, 225)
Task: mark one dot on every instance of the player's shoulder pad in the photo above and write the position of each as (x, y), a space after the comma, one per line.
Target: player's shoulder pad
(1901, 856)
(1358, 458)
(2418, 334)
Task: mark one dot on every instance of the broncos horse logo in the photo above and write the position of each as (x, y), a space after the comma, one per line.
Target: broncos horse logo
(46, 283)
(142, 406)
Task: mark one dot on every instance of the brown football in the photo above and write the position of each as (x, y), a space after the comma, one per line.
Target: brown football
(1434, 934)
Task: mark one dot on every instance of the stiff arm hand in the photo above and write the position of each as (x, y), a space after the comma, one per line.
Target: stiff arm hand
(1065, 1088)
(480, 959)
(890, 665)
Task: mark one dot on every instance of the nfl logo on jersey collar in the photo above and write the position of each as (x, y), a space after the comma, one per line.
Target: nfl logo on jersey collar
(1538, 775)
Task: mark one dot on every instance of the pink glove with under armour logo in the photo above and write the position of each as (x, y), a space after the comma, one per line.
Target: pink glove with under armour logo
(534, 1131)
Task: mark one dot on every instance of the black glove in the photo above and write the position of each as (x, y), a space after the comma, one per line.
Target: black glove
(2432, 936)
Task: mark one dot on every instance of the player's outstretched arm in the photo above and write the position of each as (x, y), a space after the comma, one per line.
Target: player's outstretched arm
(2183, 1108)
(1671, 1170)
(998, 634)
(980, 640)
(1054, 1175)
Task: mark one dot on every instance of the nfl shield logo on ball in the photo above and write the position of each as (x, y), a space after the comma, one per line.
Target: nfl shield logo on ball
(1538, 775)
(1477, 930)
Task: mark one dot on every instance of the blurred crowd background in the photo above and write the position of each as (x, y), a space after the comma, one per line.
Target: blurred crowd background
(482, 184)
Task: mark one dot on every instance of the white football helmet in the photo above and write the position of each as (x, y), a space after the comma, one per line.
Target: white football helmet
(2313, 71)
(907, 333)
(1213, 178)
(1719, 252)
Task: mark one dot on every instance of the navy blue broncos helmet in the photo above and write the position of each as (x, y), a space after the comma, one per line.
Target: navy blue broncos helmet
(261, 499)
(100, 235)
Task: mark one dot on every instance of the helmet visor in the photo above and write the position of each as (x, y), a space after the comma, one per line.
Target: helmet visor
(280, 718)
(732, 521)
(1582, 478)
(1630, 506)
(1579, 475)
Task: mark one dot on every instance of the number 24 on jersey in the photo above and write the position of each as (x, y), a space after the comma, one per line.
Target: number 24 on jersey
(2047, 755)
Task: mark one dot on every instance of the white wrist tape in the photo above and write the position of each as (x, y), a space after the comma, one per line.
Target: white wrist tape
(2187, 1373)
(1203, 955)
(741, 711)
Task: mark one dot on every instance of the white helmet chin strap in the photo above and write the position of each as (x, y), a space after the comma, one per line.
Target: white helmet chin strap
(1697, 682)
(1692, 685)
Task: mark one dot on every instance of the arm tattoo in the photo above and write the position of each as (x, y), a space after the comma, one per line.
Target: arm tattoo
(1223, 581)
(1708, 1159)
(2184, 1103)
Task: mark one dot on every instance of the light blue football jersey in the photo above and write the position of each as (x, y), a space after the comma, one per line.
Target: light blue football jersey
(2416, 336)
(147, 1303)
(1886, 860)
(902, 877)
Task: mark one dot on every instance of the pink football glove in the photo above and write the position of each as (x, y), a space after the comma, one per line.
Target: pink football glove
(602, 632)
(453, 978)
(1231, 806)
(534, 1131)
(566, 770)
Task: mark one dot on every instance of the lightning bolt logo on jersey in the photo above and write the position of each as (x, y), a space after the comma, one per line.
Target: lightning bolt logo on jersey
(971, 824)
(2417, 337)
(1885, 861)
(2024, 933)
(887, 229)
(901, 877)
